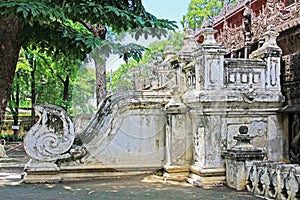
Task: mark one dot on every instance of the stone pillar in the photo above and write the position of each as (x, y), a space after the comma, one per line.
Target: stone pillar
(270, 52)
(179, 142)
(209, 62)
(208, 168)
(237, 158)
(206, 102)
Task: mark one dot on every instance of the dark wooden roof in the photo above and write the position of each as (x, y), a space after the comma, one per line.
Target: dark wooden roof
(230, 22)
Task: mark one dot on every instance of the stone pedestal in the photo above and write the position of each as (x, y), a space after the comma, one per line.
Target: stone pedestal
(41, 172)
(237, 158)
(206, 177)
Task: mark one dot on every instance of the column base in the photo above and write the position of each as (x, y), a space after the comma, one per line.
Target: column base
(206, 177)
(41, 172)
(176, 173)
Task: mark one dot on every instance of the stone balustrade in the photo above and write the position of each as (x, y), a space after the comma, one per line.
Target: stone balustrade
(244, 74)
(273, 180)
(186, 123)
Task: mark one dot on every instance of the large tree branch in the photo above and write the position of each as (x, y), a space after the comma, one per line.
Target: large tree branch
(98, 30)
(51, 69)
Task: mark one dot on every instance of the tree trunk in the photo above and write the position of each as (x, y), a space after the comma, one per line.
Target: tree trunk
(16, 110)
(100, 32)
(101, 91)
(33, 91)
(66, 92)
(10, 45)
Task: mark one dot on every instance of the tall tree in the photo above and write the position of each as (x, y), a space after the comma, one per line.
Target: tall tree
(200, 9)
(19, 91)
(49, 24)
(10, 44)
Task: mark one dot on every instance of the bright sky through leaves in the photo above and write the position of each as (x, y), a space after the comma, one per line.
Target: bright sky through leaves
(165, 9)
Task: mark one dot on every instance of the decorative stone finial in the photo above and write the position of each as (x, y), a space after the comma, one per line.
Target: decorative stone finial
(208, 23)
(243, 139)
(208, 32)
(188, 30)
(243, 129)
(271, 35)
(270, 47)
(52, 136)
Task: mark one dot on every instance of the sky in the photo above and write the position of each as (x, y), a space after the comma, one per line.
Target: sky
(164, 9)
(169, 9)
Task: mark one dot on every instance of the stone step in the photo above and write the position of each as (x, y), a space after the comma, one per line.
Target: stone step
(17, 158)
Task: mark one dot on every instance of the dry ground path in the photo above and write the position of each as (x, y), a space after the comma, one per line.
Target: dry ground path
(141, 187)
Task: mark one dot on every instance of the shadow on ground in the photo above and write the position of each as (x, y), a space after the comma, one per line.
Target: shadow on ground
(133, 187)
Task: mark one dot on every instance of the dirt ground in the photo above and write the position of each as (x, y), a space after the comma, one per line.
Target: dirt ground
(139, 187)
(134, 187)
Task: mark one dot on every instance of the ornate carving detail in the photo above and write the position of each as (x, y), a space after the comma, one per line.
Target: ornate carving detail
(295, 150)
(276, 180)
(232, 36)
(52, 136)
(292, 185)
(198, 140)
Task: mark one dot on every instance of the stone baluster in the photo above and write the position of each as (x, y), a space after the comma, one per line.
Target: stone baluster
(252, 179)
(265, 180)
(292, 183)
(274, 180)
(282, 172)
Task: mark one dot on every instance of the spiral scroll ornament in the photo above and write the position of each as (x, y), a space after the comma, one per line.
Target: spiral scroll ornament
(52, 136)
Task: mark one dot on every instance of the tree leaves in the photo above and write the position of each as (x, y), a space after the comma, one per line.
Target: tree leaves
(140, 69)
(52, 25)
(33, 11)
(200, 9)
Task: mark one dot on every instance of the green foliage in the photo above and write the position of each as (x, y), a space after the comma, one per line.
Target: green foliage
(122, 79)
(158, 48)
(55, 37)
(84, 91)
(57, 25)
(50, 74)
(54, 77)
(135, 71)
(200, 9)
(21, 80)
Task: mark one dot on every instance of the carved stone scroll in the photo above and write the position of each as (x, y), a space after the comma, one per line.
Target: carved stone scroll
(52, 136)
